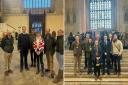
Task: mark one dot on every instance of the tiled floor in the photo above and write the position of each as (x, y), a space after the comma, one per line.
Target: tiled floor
(26, 77)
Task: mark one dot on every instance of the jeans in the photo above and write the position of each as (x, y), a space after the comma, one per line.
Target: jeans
(60, 60)
(117, 66)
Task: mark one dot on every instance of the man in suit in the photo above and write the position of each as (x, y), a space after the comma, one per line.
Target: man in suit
(23, 47)
(111, 56)
(106, 49)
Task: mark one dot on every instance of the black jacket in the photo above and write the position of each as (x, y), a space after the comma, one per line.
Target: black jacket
(23, 42)
(53, 45)
(32, 39)
(59, 44)
(47, 40)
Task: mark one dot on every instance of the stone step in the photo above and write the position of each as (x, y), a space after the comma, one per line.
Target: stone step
(71, 69)
(124, 50)
(96, 83)
(85, 79)
(85, 75)
(71, 55)
(69, 60)
(93, 80)
(71, 64)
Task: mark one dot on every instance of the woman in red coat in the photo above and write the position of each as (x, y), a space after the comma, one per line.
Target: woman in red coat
(39, 48)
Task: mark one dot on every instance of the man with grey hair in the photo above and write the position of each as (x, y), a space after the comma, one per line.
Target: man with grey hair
(7, 46)
(23, 47)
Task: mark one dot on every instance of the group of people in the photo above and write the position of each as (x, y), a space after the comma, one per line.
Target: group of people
(38, 46)
(102, 55)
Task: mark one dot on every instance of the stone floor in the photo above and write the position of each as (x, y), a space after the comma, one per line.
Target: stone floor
(26, 77)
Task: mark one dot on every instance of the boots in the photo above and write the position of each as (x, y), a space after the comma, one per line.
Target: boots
(52, 74)
(42, 70)
(59, 77)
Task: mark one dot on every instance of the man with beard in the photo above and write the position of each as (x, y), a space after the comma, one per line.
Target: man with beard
(47, 49)
(117, 52)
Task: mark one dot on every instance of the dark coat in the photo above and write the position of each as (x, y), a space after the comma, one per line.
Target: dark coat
(53, 44)
(95, 50)
(23, 42)
(106, 47)
(77, 49)
(7, 44)
(32, 39)
(48, 44)
(71, 39)
(60, 44)
(88, 49)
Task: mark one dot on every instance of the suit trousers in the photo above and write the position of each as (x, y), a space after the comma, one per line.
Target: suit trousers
(23, 59)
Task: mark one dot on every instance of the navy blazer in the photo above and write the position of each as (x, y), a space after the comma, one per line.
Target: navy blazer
(23, 42)
(106, 47)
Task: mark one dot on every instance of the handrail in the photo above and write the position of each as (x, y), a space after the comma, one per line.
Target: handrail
(11, 26)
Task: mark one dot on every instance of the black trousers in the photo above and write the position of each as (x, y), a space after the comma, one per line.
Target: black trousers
(39, 61)
(97, 70)
(85, 60)
(23, 59)
(70, 45)
(117, 66)
(89, 62)
(106, 63)
(112, 61)
(33, 56)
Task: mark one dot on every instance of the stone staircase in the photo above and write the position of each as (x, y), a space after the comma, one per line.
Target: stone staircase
(85, 79)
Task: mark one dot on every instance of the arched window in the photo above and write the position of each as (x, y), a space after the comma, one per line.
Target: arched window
(37, 4)
(100, 14)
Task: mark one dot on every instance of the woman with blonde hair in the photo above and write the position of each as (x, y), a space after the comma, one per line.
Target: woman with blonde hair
(59, 55)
